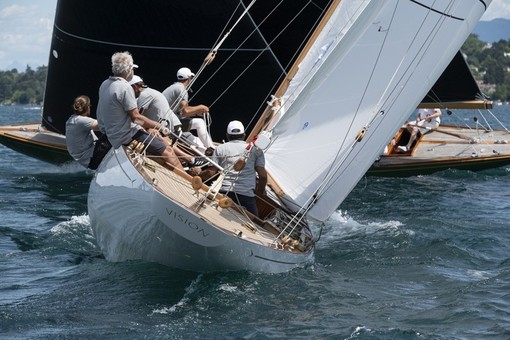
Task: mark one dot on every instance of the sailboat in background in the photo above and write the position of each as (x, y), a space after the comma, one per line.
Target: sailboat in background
(474, 146)
(365, 68)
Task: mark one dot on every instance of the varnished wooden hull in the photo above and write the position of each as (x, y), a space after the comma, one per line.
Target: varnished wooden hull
(32, 140)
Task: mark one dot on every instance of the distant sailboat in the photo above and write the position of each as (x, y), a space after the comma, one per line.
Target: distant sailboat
(475, 146)
(367, 66)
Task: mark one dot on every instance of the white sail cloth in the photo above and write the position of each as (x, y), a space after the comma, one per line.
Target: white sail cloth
(360, 76)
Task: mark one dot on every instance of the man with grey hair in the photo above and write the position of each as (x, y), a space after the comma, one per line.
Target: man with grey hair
(117, 112)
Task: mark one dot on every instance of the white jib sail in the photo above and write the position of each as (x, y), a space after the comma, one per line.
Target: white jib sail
(370, 76)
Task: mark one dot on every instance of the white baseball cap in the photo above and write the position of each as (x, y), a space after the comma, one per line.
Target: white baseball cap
(136, 79)
(184, 73)
(235, 127)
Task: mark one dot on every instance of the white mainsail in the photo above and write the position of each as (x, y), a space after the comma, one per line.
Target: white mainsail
(370, 78)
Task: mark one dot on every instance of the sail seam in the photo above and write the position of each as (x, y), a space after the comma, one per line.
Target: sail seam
(437, 11)
(154, 47)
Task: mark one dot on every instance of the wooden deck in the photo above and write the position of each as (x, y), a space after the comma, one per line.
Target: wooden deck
(233, 220)
(446, 147)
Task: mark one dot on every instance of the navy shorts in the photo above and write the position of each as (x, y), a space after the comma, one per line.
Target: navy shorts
(248, 202)
(155, 145)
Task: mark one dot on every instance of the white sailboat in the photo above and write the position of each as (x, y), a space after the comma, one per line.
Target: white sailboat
(368, 65)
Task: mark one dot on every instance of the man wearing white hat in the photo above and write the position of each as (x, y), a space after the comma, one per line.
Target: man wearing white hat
(192, 117)
(152, 103)
(243, 185)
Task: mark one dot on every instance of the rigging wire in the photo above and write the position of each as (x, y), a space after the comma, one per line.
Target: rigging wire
(212, 54)
(341, 156)
(334, 169)
(269, 44)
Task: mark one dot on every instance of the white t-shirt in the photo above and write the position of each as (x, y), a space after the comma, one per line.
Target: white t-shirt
(422, 116)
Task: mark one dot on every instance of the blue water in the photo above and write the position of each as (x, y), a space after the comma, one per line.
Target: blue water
(424, 257)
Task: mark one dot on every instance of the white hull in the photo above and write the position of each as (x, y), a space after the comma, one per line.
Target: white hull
(133, 220)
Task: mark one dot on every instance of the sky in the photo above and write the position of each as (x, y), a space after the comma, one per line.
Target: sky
(26, 28)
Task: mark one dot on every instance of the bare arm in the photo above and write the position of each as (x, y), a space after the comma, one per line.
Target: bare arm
(208, 172)
(262, 180)
(191, 111)
(145, 122)
(435, 114)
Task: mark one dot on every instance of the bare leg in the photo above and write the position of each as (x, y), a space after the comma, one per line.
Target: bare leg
(171, 158)
(414, 132)
(183, 156)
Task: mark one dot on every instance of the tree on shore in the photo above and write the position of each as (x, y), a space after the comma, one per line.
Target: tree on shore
(23, 88)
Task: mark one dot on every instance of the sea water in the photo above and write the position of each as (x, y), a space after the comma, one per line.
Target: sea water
(424, 257)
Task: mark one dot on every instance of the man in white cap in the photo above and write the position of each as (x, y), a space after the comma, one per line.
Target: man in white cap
(426, 120)
(192, 117)
(243, 185)
(117, 111)
(153, 104)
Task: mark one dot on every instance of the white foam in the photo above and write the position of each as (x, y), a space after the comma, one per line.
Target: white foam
(341, 225)
(74, 232)
(70, 167)
(75, 221)
(479, 274)
(183, 301)
(228, 288)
